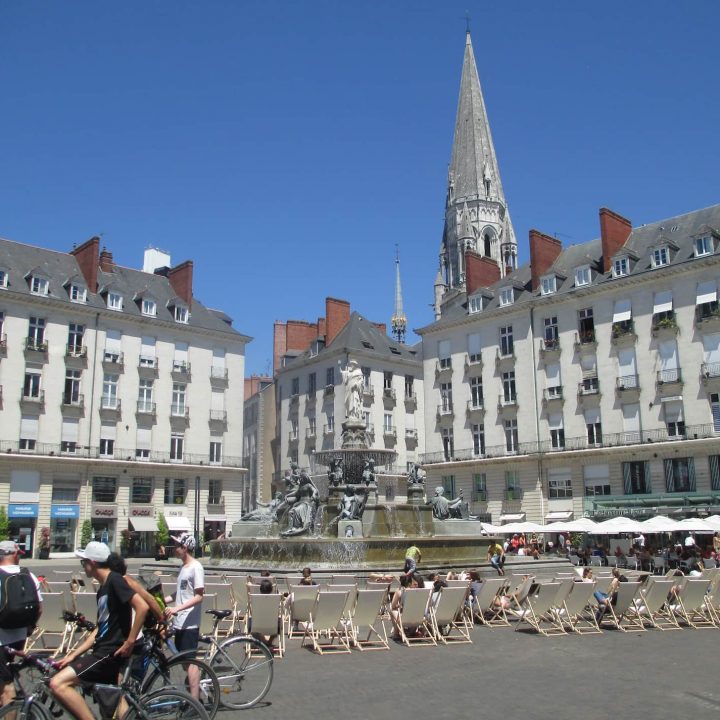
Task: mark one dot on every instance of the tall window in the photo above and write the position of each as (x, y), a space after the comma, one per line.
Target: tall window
(509, 393)
(661, 256)
(551, 332)
(312, 383)
(177, 444)
(506, 297)
(215, 488)
(178, 399)
(479, 487)
(145, 395)
(586, 325)
(557, 431)
(680, 475)
(107, 447)
(448, 484)
(636, 478)
(295, 386)
(104, 489)
(444, 354)
(175, 491)
(593, 426)
(110, 391)
(446, 399)
(511, 435)
(142, 488)
(597, 480)
(409, 386)
(715, 411)
(387, 380)
(75, 338)
(506, 340)
(31, 386)
(621, 267)
(478, 437)
(330, 376)
(36, 332)
(71, 396)
(714, 464)
(703, 246)
(476, 392)
(674, 420)
(548, 285)
(215, 452)
(181, 314)
(448, 443)
(388, 422)
(312, 425)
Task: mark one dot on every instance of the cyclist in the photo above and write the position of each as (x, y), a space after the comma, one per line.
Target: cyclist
(15, 637)
(187, 611)
(120, 615)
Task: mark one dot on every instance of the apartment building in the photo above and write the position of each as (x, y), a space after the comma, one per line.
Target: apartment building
(122, 398)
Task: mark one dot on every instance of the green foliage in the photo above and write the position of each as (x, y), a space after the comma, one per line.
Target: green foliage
(162, 536)
(4, 524)
(85, 533)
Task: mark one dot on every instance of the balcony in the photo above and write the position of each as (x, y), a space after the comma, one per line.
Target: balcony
(445, 411)
(665, 326)
(627, 384)
(389, 396)
(293, 437)
(328, 430)
(410, 398)
(553, 395)
(473, 364)
(113, 361)
(479, 496)
(475, 406)
(585, 341)
(181, 371)
(35, 351)
(588, 389)
(368, 393)
(623, 333)
(147, 366)
(411, 435)
(110, 407)
(672, 377)
(179, 414)
(76, 355)
(549, 348)
(390, 432)
(507, 359)
(310, 433)
(73, 402)
(218, 375)
(33, 401)
(710, 374)
(218, 417)
(146, 408)
(507, 401)
(443, 367)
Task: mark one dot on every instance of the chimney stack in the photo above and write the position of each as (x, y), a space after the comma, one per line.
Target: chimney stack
(181, 278)
(480, 272)
(614, 232)
(106, 261)
(87, 256)
(337, 313)
(544, 250)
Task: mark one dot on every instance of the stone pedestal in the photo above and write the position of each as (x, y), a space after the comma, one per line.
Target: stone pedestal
(416, 494)
(355, 526)
(354, 435)
(251, 529)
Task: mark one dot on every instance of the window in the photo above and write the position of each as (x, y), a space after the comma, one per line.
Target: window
(409, 386)
(714, 463)
(674, 420)
(149, 307)
(75, 338)
(71, 396)
(181, 314)
(366, 377)
(586, 325)
(512, 484)
(388, 422)
(551, 332)
(36, 333)
(295, 386)
(680, 475)
(509, 392)
(3, 278)
(446, 399)
(65, 494)
(330, 423)
(104, 489)
(387, 380)
(107, 447)
(506, 296)
(478, 437)
(142, 489)
(715, 411)
(179, 392)
(28, 432)
(177, 443)
(448, 484)
(330, 376)
(660, 256)
(215, 491)
(636, 478)
(215, 452)
(548, 285)
(78, 293)
(706, 300)
(109, 398)
(145, 395)
(174, 491)
(448, 442)
(597, 480)
(27, 443)
(559, 484)
(312, 383)
(582, 276)
(703, 246)
(69, 436)
(475, 304)
(621, 267)
(115, 301)
(31, 386)
(593, 426)
(476, 392)
(479, 493)
(474, 348)
(557, 431)
(312, 425)
(39, 285)
(506, 341)
(444, 354)
(511, 435)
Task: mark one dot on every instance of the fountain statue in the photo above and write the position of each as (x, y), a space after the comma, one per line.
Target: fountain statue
(444, 509)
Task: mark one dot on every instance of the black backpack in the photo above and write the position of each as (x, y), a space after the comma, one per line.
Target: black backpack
(19, 600)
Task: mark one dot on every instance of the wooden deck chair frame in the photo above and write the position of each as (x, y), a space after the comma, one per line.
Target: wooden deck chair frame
(623, 615)
(519, 595)
(578, 612)
(484, 609)
(692, 605)
(265, 617)
(52, 626)
(449, 612)
(326, 620)
(537, 610)
(414, 612)
(304, 597)
(653, 607)
(239, 585)
(366, 614)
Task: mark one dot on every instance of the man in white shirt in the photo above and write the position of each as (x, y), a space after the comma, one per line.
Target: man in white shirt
(15, 638)
(690, 541)
(187, 611)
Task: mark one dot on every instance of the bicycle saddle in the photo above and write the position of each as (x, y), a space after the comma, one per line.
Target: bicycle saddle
(219, 614)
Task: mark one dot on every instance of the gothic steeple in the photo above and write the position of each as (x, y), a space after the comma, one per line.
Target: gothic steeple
(475, 204)
(398, 321)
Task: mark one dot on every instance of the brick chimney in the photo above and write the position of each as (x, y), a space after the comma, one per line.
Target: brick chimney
(106, 261)
(614, 231)
(337, 313)
(321, 327)
(279, 344)
(480, 272)
(544, 250)
(382, 327)
(300, 333)
(180, 278)
(87, 256)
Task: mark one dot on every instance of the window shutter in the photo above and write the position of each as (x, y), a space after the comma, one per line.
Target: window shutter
(627, 479)
(143, 439)
(474, 344)
(691, 474)
(648, 482)
(147, 347)
(28, 428)
(70, 430)
(714, 461)
(669, 476)
(113, 341)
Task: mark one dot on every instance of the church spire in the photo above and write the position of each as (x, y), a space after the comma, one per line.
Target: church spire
(475, 194)
(398, 321)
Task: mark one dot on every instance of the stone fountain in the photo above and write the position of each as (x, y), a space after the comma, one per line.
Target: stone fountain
(350, 528)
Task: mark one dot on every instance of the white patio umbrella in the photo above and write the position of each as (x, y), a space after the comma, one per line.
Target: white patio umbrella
(490, 529)
(661, 524)
(714, 522)
(520, 527)
(694, 525)
(581, 525)
(618, 525)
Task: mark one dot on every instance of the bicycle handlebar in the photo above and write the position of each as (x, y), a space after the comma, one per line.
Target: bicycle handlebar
(46, 665)
(80, 620)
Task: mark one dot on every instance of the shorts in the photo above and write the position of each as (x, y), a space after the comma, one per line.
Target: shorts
(5, 674)
(187, 639)
(98, 668)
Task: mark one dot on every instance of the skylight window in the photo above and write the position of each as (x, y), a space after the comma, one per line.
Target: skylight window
(475, 304)
(181, 314)
(149, 307)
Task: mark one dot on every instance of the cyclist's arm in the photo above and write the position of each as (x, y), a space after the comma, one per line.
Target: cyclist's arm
(141, 608)
(194, 600)
(82, 648)
(147, 597)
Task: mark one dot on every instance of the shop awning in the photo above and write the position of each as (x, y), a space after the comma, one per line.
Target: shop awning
(512, 517)
(144, 524)
(215, 518)
(559, 515)
(177, 523)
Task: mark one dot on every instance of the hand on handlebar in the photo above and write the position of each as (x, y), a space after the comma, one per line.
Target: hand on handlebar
(125, 650)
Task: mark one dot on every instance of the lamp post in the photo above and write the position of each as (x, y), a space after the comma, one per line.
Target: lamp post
(198, 548)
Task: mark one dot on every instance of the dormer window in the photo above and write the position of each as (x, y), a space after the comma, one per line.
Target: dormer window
(115, 301)
(148, 307)
(506, 296)
(475, 304)
(661, 256)
(181, 313)
(78, 293)
(582, 276)
(621, 267)
(39, 285)
(548, 285)
(3, 278)
(703, 246)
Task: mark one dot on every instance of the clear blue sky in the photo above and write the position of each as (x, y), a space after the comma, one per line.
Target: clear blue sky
(287, 146)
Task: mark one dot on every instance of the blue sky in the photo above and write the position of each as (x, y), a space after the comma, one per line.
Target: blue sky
(286, 147)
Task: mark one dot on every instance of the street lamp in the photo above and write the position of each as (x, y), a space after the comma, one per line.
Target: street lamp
(198, 548)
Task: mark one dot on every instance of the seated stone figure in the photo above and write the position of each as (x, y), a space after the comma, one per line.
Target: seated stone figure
(336, 472)
(444, 509)
(417, 475)
(265, 512)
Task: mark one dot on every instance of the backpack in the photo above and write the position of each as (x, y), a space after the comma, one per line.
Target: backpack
(19, 600)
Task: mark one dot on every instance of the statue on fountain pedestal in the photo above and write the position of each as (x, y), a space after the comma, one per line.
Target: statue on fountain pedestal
(353, 380)
(444, 509)
(265, 512)
(352, 505)
(336, 473)
(303, 504)
(368, 475)
(417, 475)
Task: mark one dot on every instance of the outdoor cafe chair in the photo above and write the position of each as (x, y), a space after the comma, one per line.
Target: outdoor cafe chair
(448, 617)
(612, 561)
(596, 561)
(367, 613)
(326, 623)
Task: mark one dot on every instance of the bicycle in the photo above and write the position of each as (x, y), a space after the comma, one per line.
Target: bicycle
(243, 665)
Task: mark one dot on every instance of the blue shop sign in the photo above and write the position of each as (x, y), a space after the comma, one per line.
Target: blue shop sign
(22, 510)
(65, 511)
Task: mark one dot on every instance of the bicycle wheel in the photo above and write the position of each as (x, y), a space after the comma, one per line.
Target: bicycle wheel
(244, 669)
(167, 704)
(18, 711)
(175, 674)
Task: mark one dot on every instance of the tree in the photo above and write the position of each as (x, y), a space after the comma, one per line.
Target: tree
(4, 524)
(162, 536)
(85, 533)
